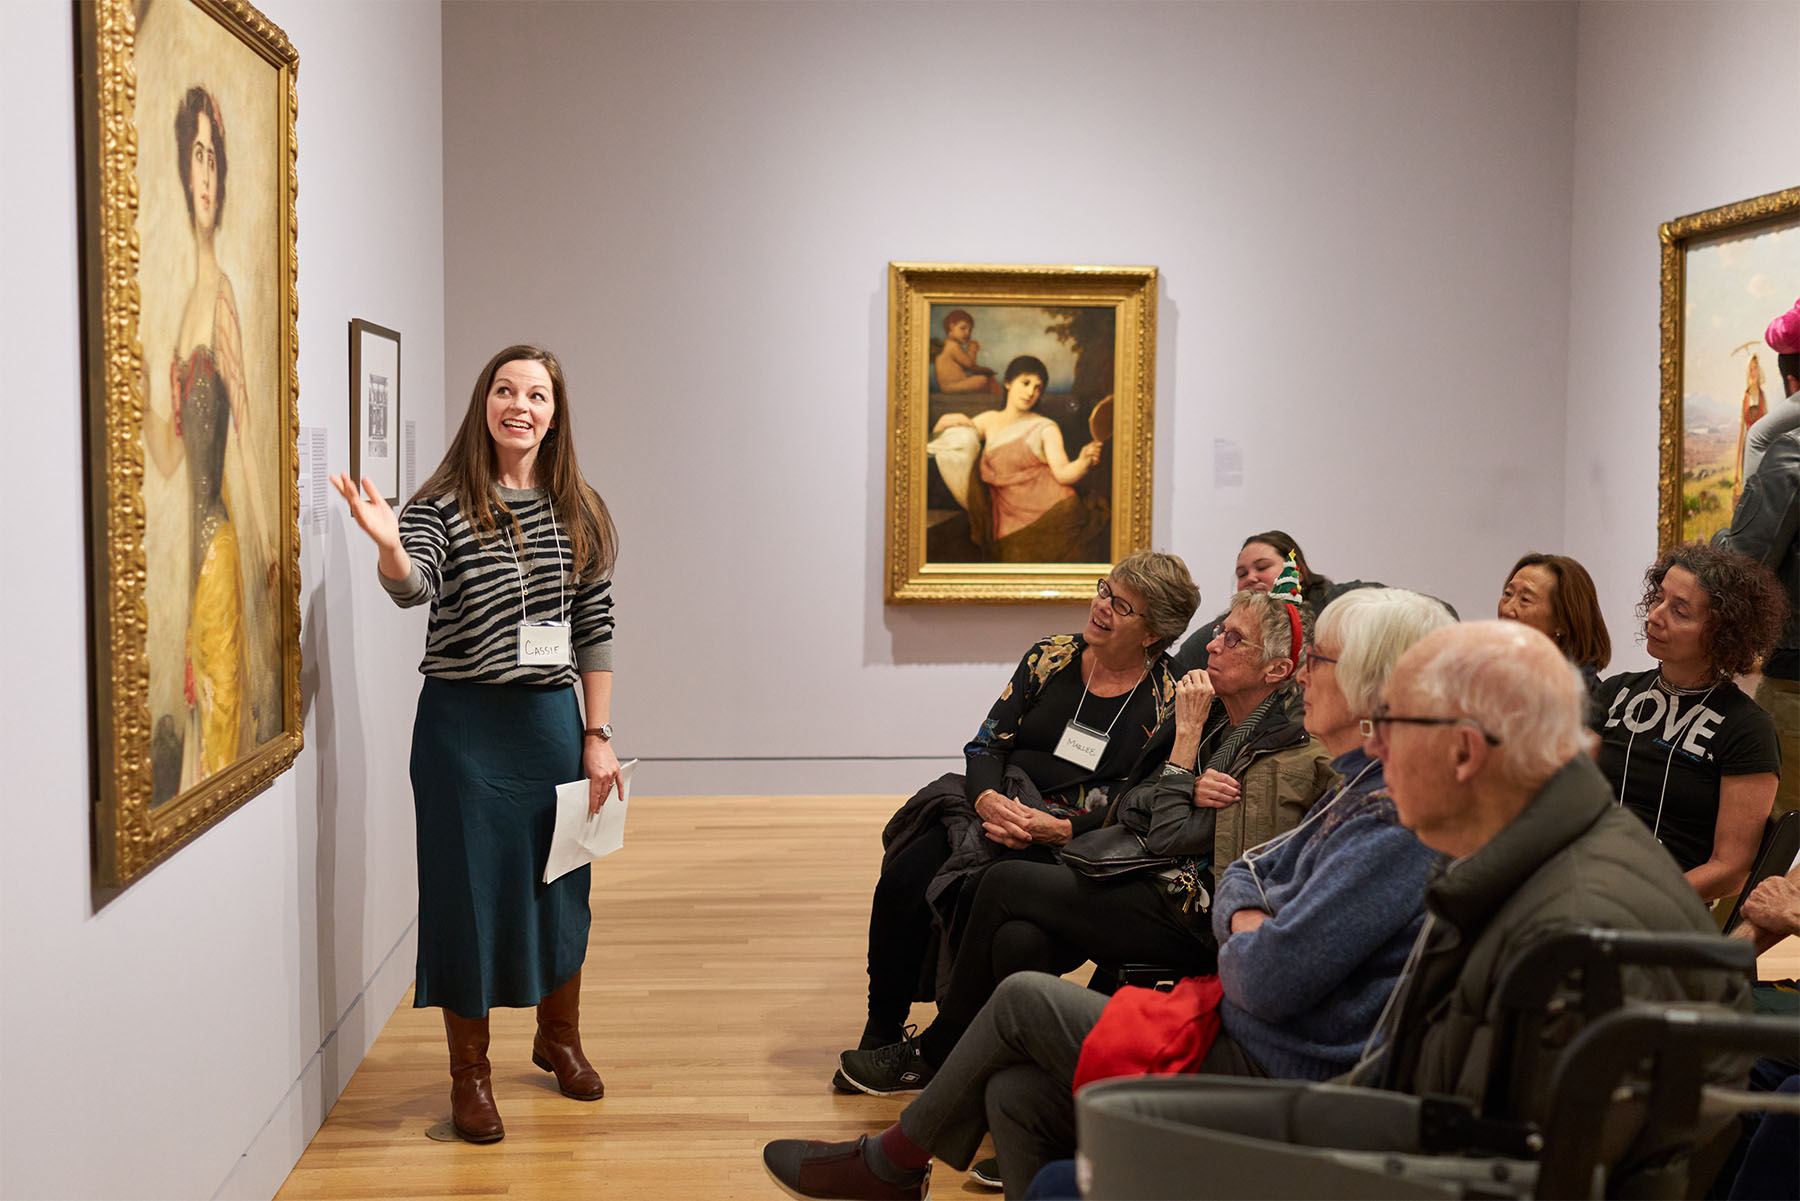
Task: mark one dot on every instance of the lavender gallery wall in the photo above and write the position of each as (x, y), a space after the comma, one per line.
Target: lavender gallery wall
(1361, 214)
(186, 1039)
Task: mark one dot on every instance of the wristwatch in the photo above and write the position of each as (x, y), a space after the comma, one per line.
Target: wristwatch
(604, 731)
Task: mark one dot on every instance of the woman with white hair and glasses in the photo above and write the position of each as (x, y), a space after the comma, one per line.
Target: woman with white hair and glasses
(1313, 926)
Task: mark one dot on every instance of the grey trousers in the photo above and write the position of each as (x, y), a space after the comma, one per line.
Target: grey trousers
(1013, 1072)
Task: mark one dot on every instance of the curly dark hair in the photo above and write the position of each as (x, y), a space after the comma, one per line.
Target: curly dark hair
(1746, 604)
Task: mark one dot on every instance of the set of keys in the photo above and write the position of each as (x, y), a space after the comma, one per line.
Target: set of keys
(1187, 880)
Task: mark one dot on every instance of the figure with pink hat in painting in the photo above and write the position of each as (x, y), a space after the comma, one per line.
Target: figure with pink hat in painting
(1782, 337)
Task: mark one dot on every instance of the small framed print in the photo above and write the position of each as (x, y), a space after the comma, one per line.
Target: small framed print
(375, 407)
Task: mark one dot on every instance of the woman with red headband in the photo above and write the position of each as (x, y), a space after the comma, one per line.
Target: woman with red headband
(1242, 770)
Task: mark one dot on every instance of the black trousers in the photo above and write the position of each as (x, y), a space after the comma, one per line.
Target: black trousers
(1046, 917)
(901, 934)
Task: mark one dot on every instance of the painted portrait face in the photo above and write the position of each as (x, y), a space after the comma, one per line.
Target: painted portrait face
(203, 175)
(1258, 567)
(1025, 390)
(521, 405)
(1675, 628)
(960, 331)
(1526, 598)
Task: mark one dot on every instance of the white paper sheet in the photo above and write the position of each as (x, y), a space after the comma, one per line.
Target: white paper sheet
(580, 839)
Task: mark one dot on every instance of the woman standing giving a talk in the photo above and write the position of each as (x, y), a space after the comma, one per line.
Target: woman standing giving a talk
(514, 551)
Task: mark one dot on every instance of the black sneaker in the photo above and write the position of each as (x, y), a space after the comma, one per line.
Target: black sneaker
(986, 1173)
(895, 1068)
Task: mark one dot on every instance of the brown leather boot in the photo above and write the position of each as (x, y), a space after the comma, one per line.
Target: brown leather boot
(472, 1109)
(557, 1047)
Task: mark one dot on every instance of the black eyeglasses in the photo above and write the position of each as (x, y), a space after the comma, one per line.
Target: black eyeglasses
(1121, 607)
(1371, 726)
(1311, 658)
(1231, 638)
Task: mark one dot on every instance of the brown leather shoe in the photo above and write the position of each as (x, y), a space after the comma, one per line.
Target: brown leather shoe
(835, 1170)
(557, 1047)
(472, 1109)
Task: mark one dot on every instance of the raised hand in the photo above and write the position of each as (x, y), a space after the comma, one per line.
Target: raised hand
(1193, 701)
(372, 513)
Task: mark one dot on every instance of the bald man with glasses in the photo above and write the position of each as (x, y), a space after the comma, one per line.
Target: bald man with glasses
(1482, 735)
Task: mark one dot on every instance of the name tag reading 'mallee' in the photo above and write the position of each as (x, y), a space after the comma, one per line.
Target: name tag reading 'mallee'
(543, 644)
(1081, 746)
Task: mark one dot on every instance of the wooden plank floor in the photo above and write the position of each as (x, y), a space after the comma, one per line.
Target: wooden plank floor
(724, 974)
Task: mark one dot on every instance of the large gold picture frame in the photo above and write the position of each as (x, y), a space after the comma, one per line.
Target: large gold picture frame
(1726, 273)
(1020, 426)
(191, 356)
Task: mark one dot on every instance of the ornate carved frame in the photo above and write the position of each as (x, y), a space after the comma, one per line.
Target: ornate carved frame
(129, 836)
(1741, 218)
(912, 289)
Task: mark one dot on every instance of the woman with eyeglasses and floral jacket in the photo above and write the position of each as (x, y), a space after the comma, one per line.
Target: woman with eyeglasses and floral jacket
(1082, 715)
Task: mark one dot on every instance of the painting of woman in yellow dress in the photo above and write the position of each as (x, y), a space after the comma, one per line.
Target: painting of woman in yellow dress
(207, 412)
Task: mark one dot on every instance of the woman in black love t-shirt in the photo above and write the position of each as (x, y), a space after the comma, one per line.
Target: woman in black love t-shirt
(1685, 749)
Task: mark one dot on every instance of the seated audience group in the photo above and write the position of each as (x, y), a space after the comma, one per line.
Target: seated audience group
(1335, 814)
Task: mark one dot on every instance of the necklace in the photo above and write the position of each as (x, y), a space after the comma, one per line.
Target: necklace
(1678, 690)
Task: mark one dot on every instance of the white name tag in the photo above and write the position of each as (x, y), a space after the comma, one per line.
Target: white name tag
(543, 644)
(1081, 746)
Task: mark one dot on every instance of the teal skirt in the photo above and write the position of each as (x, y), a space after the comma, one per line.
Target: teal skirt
(486, 760)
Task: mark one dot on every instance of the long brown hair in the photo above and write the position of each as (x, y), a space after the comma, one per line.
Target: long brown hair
(470, 466)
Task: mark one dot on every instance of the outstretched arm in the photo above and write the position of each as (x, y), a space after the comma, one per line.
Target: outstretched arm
(1065, 469)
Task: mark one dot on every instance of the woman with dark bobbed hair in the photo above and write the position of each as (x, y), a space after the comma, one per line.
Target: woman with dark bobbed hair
(1555, 595)
(1685, 749)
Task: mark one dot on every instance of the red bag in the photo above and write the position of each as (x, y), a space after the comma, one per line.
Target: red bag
(1143, 1032)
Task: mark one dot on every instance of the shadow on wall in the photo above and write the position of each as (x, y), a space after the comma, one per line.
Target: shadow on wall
(330, 696)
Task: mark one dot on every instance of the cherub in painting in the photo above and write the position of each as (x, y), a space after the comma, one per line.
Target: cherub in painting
(957, 370)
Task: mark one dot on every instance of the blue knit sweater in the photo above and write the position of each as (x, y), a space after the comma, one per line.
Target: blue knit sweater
(1346, 896)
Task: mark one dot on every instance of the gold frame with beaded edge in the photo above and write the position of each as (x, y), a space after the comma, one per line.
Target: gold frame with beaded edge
(1714, 311)
(193, 558)
(1094, 329)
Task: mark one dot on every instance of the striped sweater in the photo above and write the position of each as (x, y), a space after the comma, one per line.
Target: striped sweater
(473, 585)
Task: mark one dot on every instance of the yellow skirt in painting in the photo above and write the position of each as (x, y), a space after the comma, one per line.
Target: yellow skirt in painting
(215, 646)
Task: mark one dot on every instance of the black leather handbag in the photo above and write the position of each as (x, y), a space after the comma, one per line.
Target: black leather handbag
(1111, 853)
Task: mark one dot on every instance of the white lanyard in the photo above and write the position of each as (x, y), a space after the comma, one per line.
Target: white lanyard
(1084, 745)
(543, 643)
(1256, 852)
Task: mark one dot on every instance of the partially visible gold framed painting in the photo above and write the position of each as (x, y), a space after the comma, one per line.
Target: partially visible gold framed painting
(1726, 273)
(1020, 425)
(187, 158)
